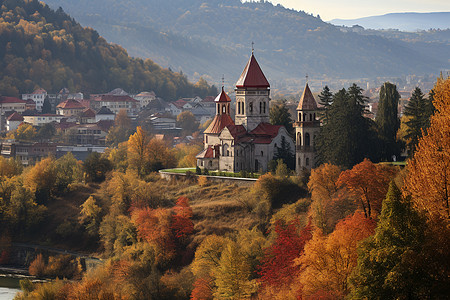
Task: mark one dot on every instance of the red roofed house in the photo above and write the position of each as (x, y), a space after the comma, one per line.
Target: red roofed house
(38, 96)
(307, 128)
(13, 121)
(116, 103)
(249, 142)
(70, 108)
(9, 105)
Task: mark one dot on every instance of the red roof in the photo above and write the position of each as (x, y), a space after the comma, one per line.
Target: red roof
(88, 113)
(218, 123)
(252, 76)
(222, 97)
(237, 130)
(179, 103)
(31, 101)
(264, 133)
(5, 99)
(114, 98)
(307, 101)
(70, 104)
(15, 117)
(206, 153)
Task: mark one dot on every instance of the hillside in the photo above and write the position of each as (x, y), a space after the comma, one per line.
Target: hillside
(401, 21)
(46, 48)
(288, 43)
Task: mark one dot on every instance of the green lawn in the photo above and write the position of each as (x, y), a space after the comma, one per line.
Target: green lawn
(211, 173)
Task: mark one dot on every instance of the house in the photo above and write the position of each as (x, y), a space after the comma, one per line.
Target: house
(160, 122)
(116, 103)
(70, 108)
(174, 109)
(79, 152)
(87, 134)
(30, 105)
(201, 114)
(38, 96)
(104, 113)
(37, 119)
(249, 142)
(25, 152)
(13, 121)
(87, 116)
(8, 105)
(145, 98)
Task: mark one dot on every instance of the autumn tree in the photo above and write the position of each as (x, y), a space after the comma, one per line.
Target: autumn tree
(96, 166)
(121, 130)
(368, 184)
(138, 150)
(9, 167)
(329, 260)
(185, 155)
(233, 274)
(278, 270)
(41, 179)
(187, 121)
(428, 178)
(90, 216)
(24, 132)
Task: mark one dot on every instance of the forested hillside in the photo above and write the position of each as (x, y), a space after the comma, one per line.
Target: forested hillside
(40, 47)
(214, 38)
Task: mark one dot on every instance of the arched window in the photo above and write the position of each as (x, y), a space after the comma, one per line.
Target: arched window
(262, 153)
(299, 139)
(251, 107)
(307, 139)
(218, 107)
(223, 109)
(310, 117)
(264, 107)
(210, 163)
(300, 117)
(243, 107)
(314, 116)
(307, 161)
(225, 151)
(260, 108)
(239, 108)
(304, 117)
(299, 161)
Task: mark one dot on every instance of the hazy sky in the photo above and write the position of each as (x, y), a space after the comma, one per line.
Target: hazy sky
(351, 9)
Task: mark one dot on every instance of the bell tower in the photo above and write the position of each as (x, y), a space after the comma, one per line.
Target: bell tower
(307, 128)
(252, 96)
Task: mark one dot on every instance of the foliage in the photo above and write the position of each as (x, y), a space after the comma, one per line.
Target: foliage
(90, 216)
(368, 183)
(207, 256)
(68, 171)
(9, 167)
(429, 171)
(279, 115)
(326, 99)
(41, 179)
(185, 155)
(329, 260)
(121, 130)
(418, 110)
(49, 49)
(347, 138)
(390, 263)
(387, 120)
(96, 166)
(25, 132)
(278, 269)
(285, 153)
(62, 265)
(186, 121)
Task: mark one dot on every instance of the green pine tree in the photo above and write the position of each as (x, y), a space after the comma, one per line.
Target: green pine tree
(279, 115)
(46, 106)
(326, 98)
(388, 262)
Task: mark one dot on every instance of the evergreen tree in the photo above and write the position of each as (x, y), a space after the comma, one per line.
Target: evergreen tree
(285, 153)
(46, 106)
(346, 139)
(326, 98)
(387, 266)
(279, 115)
(387, 120)
(419, 111)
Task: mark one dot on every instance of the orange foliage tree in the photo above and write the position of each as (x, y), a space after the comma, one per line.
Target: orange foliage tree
(329, 260)
(428, 178)
(368, 183)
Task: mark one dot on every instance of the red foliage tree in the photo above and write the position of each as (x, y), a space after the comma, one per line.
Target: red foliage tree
(278, 268)
(182, 225)
(202, 289)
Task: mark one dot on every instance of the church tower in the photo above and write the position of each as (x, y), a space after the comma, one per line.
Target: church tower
(307, 128)
(252, 96)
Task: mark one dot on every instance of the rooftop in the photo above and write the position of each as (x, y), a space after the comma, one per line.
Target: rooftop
(252, 76)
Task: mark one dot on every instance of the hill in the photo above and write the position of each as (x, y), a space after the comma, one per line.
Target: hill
(44, 48)
(401, 21)
(214, 38)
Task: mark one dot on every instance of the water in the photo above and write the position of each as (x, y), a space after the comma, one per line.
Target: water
(9, 287)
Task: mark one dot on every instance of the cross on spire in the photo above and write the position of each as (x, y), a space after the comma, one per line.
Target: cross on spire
(223, 81)
(252, 46)
(307, 78)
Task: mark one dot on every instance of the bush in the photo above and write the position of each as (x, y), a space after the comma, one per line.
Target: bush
(205, 171)
(37, 266)
(202, 181)
(198, 171)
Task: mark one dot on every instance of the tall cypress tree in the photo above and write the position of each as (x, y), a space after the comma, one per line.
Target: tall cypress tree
(387, 120)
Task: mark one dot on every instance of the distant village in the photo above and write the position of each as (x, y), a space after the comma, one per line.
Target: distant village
(86, 121)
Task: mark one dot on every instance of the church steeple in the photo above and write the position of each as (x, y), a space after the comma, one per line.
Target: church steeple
(252, 96)
(222, 117)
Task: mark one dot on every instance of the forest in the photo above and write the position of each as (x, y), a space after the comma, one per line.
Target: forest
(356, 231)
(44, 48)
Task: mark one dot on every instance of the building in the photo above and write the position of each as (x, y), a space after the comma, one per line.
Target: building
(25, 152)
(8, 105)
(116, 103)
(249, 142)
(13, 121)
(37, 119)
(145, 98)
(38, 96)
(70, 108)
(104, 113)
(87, 116)
(307, 128)
(87, 134)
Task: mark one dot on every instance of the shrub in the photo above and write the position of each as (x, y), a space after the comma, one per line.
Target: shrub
(202, 181)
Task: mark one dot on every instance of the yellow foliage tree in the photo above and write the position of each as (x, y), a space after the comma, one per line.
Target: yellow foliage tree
(23, 132)
(428, 178)
(138, 150)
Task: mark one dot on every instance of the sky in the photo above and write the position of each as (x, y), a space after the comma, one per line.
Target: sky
(352, 9)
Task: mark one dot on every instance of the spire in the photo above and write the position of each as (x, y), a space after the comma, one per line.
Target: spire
(222, 97)
(252, 76)
(307, 101)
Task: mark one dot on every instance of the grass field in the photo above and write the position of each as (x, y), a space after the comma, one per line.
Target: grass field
(212, 173)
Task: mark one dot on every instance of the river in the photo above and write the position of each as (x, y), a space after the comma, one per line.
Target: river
(9, 287)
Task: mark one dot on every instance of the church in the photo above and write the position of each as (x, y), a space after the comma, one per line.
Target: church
(249, 142)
